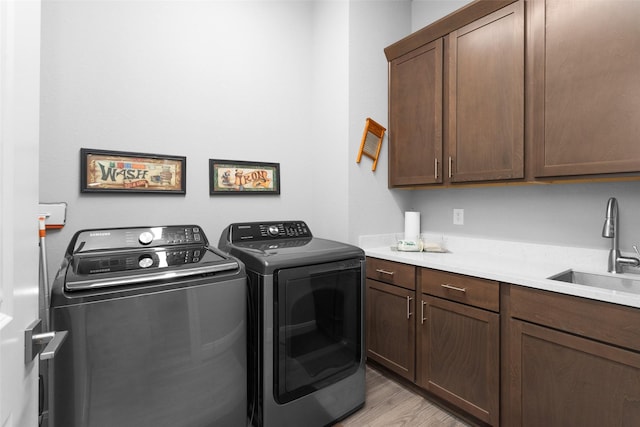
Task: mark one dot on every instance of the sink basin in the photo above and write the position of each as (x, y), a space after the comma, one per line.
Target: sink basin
(614, 283)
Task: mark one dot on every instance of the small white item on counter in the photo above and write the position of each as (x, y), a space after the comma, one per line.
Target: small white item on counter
(410, 245)
(433, 247)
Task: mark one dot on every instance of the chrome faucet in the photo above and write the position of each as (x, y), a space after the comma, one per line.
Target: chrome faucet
(610, 231)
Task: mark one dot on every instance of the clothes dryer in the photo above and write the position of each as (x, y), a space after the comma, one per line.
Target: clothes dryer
(306, 316)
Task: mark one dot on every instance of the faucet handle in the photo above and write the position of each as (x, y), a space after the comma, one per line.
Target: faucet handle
(635, 248)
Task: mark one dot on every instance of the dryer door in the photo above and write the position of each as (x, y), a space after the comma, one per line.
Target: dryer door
(318, 326)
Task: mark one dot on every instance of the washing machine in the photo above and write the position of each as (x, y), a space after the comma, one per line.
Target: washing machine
(306, 323)
(157, 331)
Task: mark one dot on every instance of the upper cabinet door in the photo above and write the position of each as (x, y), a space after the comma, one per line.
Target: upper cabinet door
(586, 86)
(415, 117)
(486, 98)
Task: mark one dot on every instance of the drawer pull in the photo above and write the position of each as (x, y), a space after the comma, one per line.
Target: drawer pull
(409, 307)
(381, 271)
(422, 319)
(453, 288)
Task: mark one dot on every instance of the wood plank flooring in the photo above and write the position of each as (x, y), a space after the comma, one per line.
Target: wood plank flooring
(389, 404)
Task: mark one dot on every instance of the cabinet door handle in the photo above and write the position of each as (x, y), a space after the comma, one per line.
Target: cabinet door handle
(453, 288)
(450, 166)
(381, 271)
(435, 168)
(409, 307)
(422, 319)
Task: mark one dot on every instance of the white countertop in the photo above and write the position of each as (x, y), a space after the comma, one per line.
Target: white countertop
(518, 263)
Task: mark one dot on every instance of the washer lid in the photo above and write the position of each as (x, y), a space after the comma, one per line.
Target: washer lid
(99, 258)
(127, 267)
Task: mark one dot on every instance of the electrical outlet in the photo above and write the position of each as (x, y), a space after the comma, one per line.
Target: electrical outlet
(458, 217)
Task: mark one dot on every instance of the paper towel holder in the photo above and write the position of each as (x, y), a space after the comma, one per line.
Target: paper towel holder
(371, 141)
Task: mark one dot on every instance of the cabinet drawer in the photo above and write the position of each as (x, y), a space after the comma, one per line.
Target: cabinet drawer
(480, 293)
(606, 322)
(391, 272)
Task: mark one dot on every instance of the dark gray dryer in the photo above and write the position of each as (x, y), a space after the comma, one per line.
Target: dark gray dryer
(306, 320)
(157, 331)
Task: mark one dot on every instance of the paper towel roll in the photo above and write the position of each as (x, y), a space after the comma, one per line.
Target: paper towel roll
(411, 226)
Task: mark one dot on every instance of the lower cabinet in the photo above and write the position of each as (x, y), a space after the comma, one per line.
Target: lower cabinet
(439, 330)
(390, 327)
(572, 361)
(505, 354)
(561, 380)
(459, 356)
(390, 318)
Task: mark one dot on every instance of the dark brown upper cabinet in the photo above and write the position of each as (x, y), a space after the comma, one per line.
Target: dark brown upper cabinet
(486, 98)
(415, 115)
(456, 98)
(585, 98)
(536, 90)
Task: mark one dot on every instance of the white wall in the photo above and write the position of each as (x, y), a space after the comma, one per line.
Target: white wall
(240, 80)
(373, 26)
(327, 154)
(562, 214)
(268, 80)
(424, 12)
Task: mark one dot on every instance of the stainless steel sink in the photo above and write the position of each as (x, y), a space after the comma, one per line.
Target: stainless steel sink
(614, 283)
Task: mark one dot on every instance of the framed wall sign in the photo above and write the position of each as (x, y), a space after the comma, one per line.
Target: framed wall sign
(124, 172)
(239, 177)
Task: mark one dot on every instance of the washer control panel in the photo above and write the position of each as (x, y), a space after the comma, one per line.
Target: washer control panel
(112, 257)
(137, 260)
(257, 231)
(137, 238)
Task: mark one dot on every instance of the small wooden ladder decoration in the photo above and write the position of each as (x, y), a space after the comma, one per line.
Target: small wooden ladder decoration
(371, 141)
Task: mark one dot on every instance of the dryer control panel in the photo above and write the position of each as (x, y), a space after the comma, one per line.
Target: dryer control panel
(259, 231)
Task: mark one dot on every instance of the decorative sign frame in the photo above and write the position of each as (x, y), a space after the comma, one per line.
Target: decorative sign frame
(103, 171)
(240, 177)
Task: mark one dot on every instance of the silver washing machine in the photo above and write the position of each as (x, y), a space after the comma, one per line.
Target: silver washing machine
(157, 331)
(306, 317)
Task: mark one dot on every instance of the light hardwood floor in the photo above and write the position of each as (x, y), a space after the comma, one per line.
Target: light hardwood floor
(389, 404)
